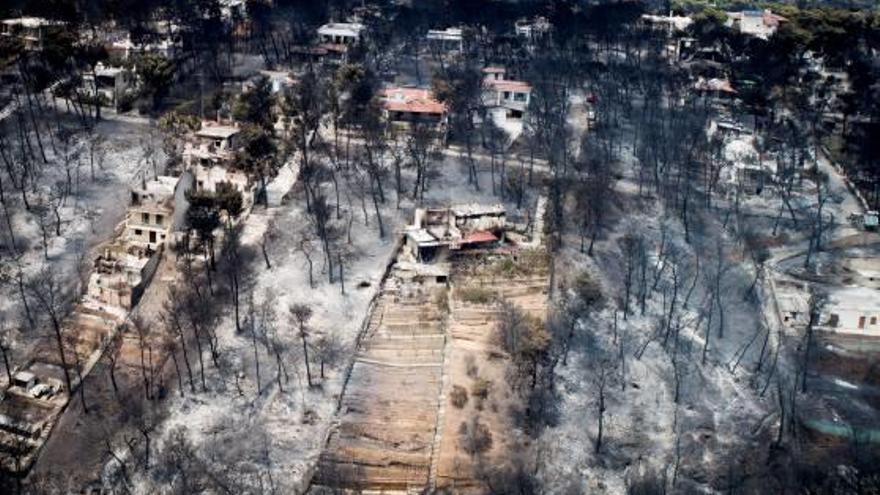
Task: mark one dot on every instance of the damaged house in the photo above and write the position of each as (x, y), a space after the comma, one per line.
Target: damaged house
(121, 274)
(110, 84)
(437, 231)
(150, 214)
(336, 38)
(210, 156)
(124, 268)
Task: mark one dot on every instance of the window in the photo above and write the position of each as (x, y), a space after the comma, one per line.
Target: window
(520, 97)
(833, 319)
(873, 320)
(507, 95)
(145, 217)
(138, 232)
(152, 236)
(861, 322)
(159, 219)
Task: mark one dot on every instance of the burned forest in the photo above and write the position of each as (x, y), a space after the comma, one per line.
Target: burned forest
(439, 247)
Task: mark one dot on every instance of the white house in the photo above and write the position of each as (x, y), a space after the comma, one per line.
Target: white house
(672, 23)
(108, 83)
(436, 231)
(446, 40)
(167, 44)
(498, 91)
(214, 143)
(340, 33)
(852, 311)
(758, 23)
(30, 31)
(532, 29)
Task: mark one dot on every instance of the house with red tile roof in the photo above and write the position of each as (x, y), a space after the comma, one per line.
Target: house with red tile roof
(499, 92)
(404, 107)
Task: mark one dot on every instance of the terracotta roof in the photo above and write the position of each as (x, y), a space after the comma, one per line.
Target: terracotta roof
(333, 47)
(720, 85)
(503, 85)
(412, 100)
(479, 236)
(771, 19)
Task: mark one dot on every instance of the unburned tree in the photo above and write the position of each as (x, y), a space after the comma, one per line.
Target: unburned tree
(526, 340)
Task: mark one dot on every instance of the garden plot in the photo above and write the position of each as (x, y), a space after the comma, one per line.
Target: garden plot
(475, 371)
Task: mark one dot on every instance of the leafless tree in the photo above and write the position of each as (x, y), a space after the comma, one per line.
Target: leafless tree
(252, 324)
(817, 218)
(270, 333)
(55, 301)
(816, 306)
(111, 354)
(172, 317)
(41, 211)
(301, 314)
(235, 268)
(328, 351)
(422, 156)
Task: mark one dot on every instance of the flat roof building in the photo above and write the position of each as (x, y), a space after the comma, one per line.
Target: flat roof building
(214, 143)
(30, 31)
(446, 40)
(340, 33)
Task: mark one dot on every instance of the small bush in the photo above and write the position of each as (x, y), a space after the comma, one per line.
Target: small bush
(475, 437)
(458, 396)
(476, 295)
(442, 302)
(588, 291)
(524, 263)
(471, 365)
(481, 388)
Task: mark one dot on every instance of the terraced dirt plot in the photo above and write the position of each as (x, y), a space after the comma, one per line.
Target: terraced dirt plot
(397, 431)
(389, 412)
